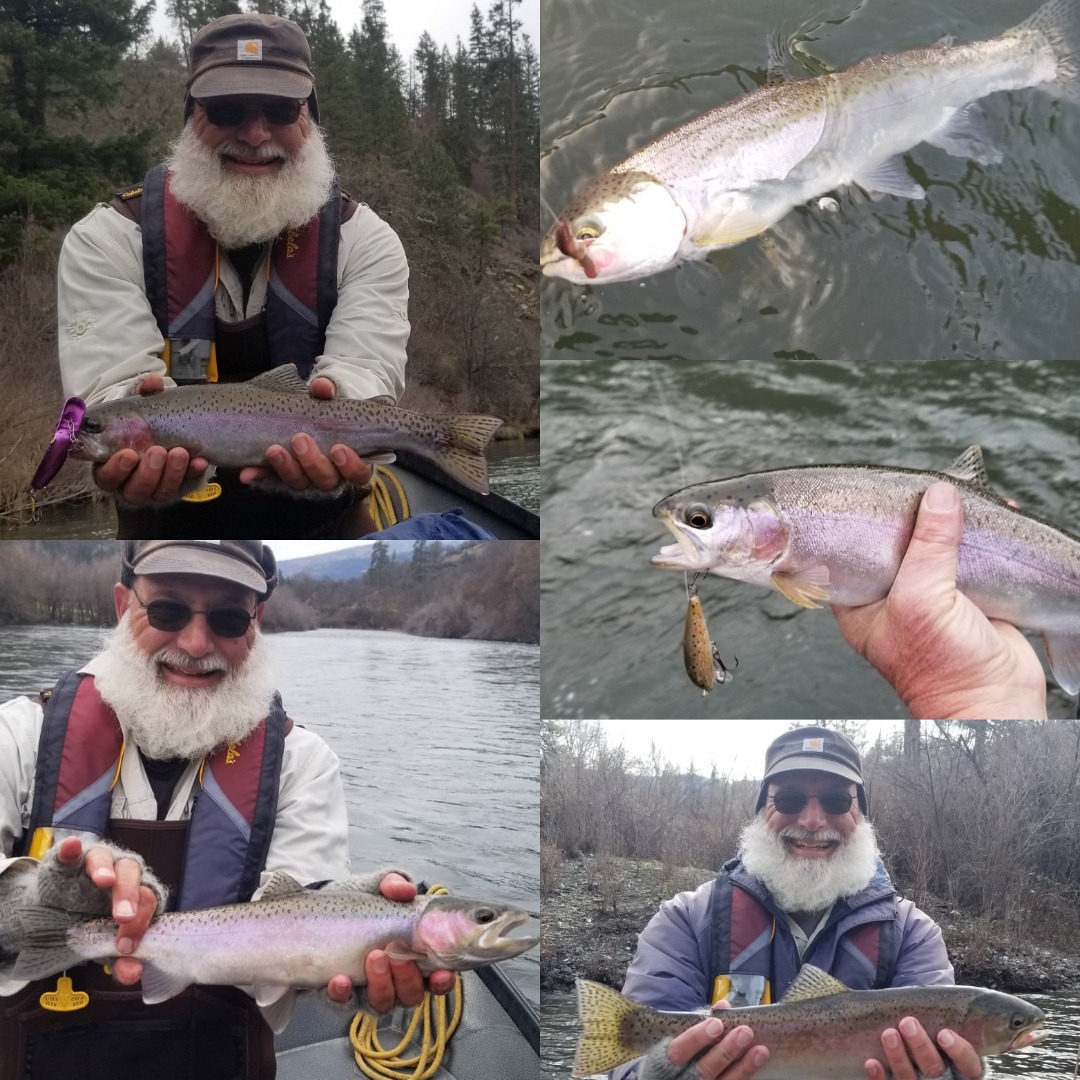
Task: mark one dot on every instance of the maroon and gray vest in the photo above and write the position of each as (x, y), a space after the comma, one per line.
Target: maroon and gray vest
(214, 857)
(179, 268)
(753, 963)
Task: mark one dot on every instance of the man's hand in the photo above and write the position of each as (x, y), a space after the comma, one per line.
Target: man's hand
(307, 466)
(158, 474)
(133, 904)
(732, 1056)
(909, 1053)
(392, 982)
(943, 656)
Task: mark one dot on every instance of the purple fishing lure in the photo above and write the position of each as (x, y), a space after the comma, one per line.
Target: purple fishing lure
(67, 428)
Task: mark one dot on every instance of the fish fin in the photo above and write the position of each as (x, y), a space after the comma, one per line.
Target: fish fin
(805, 587)
(970, 468)
(965, 134)
(159, 985)
(810, 983)
(1058, 21)
(284, 378)
(397, 951)
(461, 455)
(732, 228)
(382, 399)
(890, 178)
(604, 1014)
(383, 457)
(47, 951)
(1063, 652)
(279, 885)
(277, 1003)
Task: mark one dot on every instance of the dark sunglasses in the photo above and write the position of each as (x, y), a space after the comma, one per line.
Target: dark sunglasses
(228, 112)
(172, 616)
(794, 802)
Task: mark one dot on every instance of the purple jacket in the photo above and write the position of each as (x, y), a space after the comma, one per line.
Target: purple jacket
(672, 967)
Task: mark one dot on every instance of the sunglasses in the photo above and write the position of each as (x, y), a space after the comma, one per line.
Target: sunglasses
(172, 616)
(794, 802)
(228, 112)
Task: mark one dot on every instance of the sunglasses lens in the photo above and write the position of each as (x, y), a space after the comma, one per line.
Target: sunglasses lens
(227, 112)
(167, 615)
(229, 622)
(221, 112)
(282, 112)
(789, 802)
(835, 802)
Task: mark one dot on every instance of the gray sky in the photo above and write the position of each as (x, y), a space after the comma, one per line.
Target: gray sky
(300, 549)
(444, 20)
(736, 746)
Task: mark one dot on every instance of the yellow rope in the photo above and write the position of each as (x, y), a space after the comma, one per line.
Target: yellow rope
(380, 1063)
(385, 510)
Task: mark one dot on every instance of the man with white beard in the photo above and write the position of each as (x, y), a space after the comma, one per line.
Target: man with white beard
(238, 255)
(808, 887)
(171, 750)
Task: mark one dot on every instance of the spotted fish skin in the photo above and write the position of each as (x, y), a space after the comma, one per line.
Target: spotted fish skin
(233, 424)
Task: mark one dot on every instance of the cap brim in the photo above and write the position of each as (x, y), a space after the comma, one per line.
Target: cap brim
(814, 763)
(203, 562)
(234, 79)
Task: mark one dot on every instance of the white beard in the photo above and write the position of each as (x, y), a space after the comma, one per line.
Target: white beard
(167, 721)
(799, 884)
(238, 209)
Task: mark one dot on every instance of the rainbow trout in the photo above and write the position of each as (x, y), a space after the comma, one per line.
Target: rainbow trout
(232, 424)
(290, 937)
(835, 534)
(820, 1030)
(738, 169)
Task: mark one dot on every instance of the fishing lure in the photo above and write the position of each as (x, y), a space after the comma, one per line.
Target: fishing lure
(67, 428)
(700, 653)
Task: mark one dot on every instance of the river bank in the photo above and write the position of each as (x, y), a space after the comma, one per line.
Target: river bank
(597, 906)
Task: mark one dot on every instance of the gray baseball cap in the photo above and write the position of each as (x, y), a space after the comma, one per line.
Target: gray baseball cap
(251, 54)
(817, 748)
(246, 562)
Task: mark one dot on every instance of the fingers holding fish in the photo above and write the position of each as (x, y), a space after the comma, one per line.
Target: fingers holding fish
(157, 475)
(909, 1054)
(705, 1052)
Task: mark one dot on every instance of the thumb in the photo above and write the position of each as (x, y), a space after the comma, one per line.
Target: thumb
(929, 566)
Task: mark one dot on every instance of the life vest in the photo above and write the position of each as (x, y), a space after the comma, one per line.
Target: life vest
(753, 952)
(232, 819)
(180, 272)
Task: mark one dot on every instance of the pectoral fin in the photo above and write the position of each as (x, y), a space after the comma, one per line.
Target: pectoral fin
(890, 178)
(805, 587)
(1063, 652)
(965, 135)
(732, 228)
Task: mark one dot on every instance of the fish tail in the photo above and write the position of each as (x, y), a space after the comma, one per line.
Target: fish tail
(1058, 22)
(461, 455)
(603, 1013)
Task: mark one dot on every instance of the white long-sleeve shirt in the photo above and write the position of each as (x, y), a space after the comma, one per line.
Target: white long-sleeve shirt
(109, 339)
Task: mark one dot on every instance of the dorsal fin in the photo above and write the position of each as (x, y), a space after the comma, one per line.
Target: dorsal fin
(969, 467)
(279, 885)
(285, 378)
(810, 983)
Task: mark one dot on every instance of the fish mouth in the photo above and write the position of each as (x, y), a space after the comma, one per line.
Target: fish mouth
(496, 938)
(689, 553)
(1028, 1037)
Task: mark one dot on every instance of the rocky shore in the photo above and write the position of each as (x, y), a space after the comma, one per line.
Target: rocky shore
(598, 905)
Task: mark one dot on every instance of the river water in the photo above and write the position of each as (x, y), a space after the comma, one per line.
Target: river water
(891, 332)
(437, 741)
(1053, 1059)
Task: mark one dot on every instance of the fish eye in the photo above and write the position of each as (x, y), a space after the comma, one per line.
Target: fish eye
(92, 425)
(587, 232)
(698, 516)
(484, 915)
(1017, 1021)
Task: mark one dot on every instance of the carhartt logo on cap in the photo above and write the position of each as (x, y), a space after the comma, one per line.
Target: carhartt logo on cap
(814, 744)
(251, 49)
